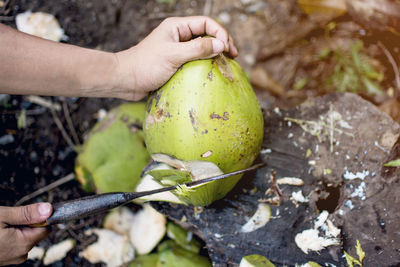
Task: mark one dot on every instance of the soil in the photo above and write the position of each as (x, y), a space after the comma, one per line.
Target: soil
(37, 154)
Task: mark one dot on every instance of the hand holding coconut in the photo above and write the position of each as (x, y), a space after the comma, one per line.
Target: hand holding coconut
(33, 65)
(154, 60)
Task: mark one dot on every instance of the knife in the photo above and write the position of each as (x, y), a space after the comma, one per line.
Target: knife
(82, 207)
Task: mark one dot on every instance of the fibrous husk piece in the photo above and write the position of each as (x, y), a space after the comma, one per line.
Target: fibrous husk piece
(311, 240)
(114, 155)
(111, 248)
(147, 229)
(58, 251)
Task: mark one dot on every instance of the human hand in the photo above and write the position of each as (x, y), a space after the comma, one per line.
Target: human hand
(16, 242)
(148, 65)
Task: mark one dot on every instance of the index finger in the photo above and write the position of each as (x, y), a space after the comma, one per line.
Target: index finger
(200, 25)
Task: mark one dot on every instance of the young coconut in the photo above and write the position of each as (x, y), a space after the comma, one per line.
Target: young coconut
(207, 111)
(114, 155)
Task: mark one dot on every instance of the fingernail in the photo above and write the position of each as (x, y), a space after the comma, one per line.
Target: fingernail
(218, 46)
(44, 209)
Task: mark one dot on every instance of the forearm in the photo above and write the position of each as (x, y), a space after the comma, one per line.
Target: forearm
(31, 65)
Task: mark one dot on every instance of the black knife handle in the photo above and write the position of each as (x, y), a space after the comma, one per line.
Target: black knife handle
(82, 207)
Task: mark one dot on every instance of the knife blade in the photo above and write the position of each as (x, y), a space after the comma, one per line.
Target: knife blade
(86, 206)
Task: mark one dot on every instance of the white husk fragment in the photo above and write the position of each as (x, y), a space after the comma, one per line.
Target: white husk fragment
(36, 253)
(111, 248)
(323, 216)
(332, 230)
(298, 197)
(119, 220)
(40, 24)
(147, 229)
(147, 183)
(259, 219)
(58, 251)
(358, 175)
(310, 240)
(290, 181)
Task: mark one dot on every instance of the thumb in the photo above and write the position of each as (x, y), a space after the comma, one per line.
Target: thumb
(26, 215)
(198, 48)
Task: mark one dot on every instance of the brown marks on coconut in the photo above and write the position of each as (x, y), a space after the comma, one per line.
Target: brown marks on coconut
(210, 75)
(224, 117)
(224, 67)
(196, 122)
(192, 117)
(124, 118)
(134, 127)
(159, 116)
(206, 154)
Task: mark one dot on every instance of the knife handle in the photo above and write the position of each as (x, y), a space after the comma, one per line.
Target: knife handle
(82, 207)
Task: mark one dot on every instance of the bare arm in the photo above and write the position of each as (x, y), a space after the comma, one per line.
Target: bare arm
(31, 65)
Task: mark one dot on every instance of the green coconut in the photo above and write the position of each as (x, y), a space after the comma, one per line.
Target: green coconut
(255, 261)
(207, 111)
(114, 155)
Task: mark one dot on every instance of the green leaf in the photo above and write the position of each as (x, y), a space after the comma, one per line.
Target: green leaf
(300, 83)
(359, 251)
(351, 261)
(255, 261)
(150, 260)
(324, 53)
(179, 257)
(21, 123)
(313, 264)
(371, 87)
(393, 163)
(182, 237)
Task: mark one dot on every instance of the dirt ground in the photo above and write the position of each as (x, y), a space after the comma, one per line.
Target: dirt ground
(279, 47)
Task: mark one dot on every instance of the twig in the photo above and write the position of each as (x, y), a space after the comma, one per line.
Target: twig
(62, 129)
(70, 124)
(43, 102)
(47, 188)
(207, 8)
(393, 63)
(161, 15)
(6, 18)
(53, 107)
